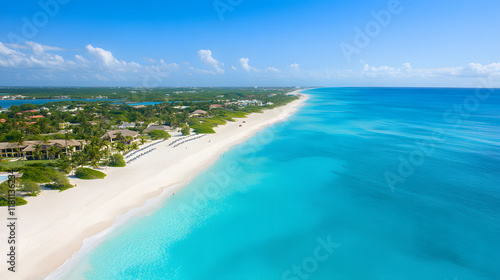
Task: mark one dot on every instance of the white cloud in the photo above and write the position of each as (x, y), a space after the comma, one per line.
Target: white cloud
(272, 70)
(27, 46)
(103, 56)
(206, 57)
(6, 51)
(100, 63)
(149, 59)
(16, 46)
(295, 67)
(40, 49)
(39, 59)
(244, 63)
(80, 59)
(202, 71)
(234, 69)
(407, 71)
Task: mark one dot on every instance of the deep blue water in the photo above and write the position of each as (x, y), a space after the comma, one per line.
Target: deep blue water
(396, 184)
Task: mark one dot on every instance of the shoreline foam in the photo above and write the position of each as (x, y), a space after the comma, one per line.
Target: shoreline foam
(55, 226)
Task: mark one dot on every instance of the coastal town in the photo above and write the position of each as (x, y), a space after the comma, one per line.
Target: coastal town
(45, 143)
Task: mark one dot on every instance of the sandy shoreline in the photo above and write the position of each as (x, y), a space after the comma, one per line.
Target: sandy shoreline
(53, 226)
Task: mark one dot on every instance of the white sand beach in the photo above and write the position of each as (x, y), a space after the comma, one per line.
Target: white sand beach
(53, 226)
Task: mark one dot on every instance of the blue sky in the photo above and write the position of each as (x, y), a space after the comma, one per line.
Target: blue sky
(250, 43)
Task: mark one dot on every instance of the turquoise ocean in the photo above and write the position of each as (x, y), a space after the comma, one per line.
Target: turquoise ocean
(361, 183)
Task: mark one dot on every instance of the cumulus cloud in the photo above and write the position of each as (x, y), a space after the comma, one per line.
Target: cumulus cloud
(39, 58)
(11, 58)
(206, 57)
(100, 63)
(103, 56)
(244, 63)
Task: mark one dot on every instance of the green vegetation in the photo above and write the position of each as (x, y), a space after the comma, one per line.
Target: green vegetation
(85, 119)
(185, 130)
(158, 134)
(4, 190)
(19, 201)
(30, 187)
(117, 161)
(144, 94)
(89, 174)
(39, 174)
(60, 183)
(88, 121)
(203, 128)
(18, 163)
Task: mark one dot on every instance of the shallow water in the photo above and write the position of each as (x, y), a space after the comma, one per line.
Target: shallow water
(400, 189)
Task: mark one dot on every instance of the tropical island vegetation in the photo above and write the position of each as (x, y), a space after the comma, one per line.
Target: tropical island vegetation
(47, 142)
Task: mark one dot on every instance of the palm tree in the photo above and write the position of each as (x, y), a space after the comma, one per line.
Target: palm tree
(73, 164)
(20, 141)
(119, 137)
(142, 140)
(120, 147)
(37, 152)
(106, 152)
(53, 151)
(66, 138)
(78, 159)
(134, 146)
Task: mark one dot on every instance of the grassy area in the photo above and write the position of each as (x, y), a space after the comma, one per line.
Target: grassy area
(39, 174)
(19, 163)
(202, 128)
(89, 174)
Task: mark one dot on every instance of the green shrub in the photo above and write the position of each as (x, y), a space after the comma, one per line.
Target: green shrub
(203, 128)
(215, 121)
(30, 187)
(38, 174)
(117, 160)
(193, 121)
(185, 130)
(89, 174)
(60, 183)
(19, 201)
(158, 134)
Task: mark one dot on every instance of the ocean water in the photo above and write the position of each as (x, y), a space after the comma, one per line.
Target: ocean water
(361, 183)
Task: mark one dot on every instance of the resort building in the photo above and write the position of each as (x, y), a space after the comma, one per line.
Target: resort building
(216, 106)
(112, 135)
(249, 102)
(126, 125)
(36, 149)
(198, 113)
